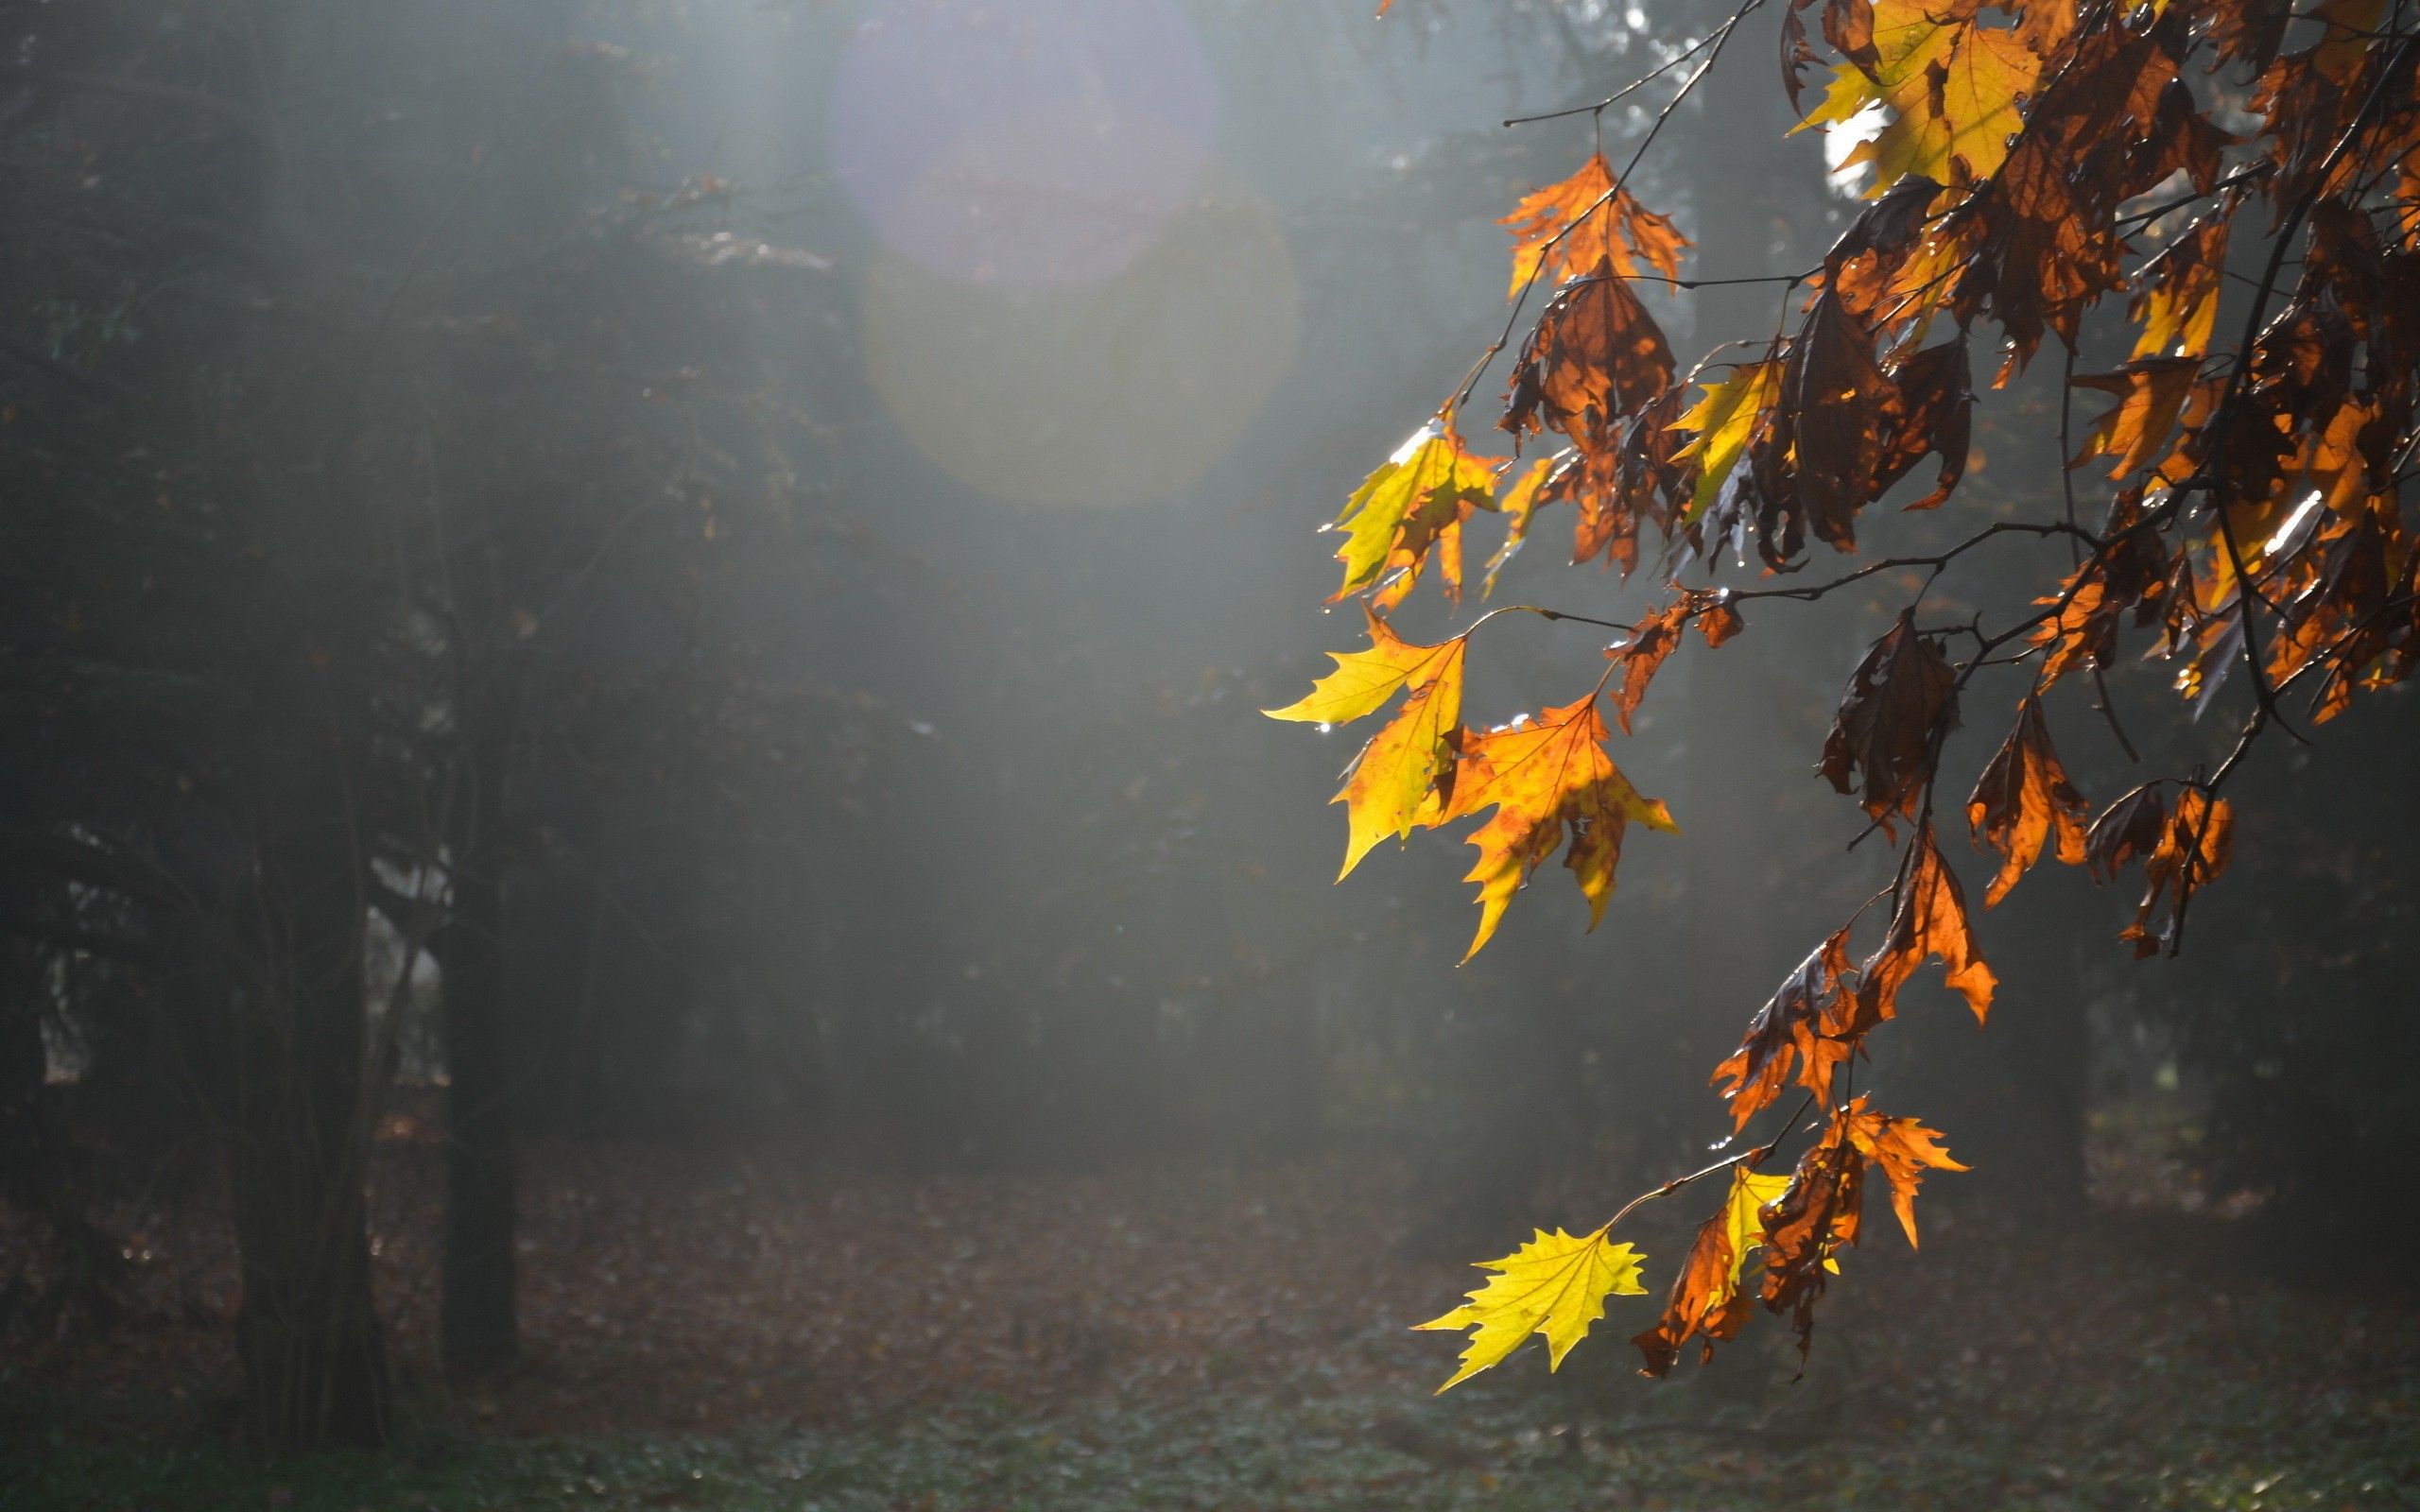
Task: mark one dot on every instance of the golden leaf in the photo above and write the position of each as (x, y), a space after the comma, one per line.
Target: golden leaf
(1430, 482)
(1544, 778)
(1950, 89)
(1364, 680)
(1724, 419)
(1554, 1285)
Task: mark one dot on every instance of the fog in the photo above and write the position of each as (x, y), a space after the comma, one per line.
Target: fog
(740, 547)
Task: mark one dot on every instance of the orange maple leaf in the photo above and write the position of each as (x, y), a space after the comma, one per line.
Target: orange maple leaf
(2021, 797)
(1928, 919)
(1571, 226)
(1546, 777)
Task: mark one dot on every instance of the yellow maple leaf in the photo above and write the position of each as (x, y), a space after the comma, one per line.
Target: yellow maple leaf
(1742, 1222)
(1427, 487)
(1949, 89)
(1554, 1285)
(1364, 680)
(1544, 777)
(1725, 420)
(1519, 504)
(1388, 794)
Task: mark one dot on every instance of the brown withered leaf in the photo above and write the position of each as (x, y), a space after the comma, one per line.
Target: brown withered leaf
(2329, 601)
(2126, 829)
(1848, 25)
(1717, 618)
(1900, 699)
(1842, 411)
(1928, 921)
(1651, 640)
(2194, 848)
(2082, 629)
(1816, 1216)
(1937, 415)
(2023, 797)
(1797, 54)
(1595, 357)
(1654, 636)
(2249, 31)
(1862, 266)
(1571, 226)
(2182, 140)
(1804, 1025)
(2341, 617)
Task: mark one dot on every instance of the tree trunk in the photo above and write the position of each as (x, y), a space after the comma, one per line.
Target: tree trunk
(315, 1370)
(479, 1328)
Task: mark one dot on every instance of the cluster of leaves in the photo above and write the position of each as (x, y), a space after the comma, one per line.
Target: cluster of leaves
(2027, 166)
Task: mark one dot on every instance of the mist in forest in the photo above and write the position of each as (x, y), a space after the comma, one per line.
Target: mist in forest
(638, 627)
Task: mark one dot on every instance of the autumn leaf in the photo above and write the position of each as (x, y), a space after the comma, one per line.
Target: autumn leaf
(1707, 1301)
(2177, 292)
(2193, 848)
(2080, 630)
(1392, 778)
(1722, 421)
(2340, 617)
(1519, 504)
(1364, 680)
(1950, 89)
(1928, 922)
(2043, 235)
(1429, 486)
(1817, 1216)
(2022, 797)
(1901, 697)
(1571, 226)
(1555, 1285)
(1595, 356)
(1546, 777)
(1807, 1023)
(2128, 828)
(1843, 408)
(1904, 1148)
(1936, 416)
(2150, 393)
(1651, 641)
(1861, 267)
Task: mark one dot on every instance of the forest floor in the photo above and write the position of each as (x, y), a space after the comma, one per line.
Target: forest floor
(709, 1331)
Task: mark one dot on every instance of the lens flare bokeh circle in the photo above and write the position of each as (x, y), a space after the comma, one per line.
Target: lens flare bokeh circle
(1025, 143)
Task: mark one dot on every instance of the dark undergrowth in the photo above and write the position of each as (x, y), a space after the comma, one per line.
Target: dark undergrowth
(741, 1340)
